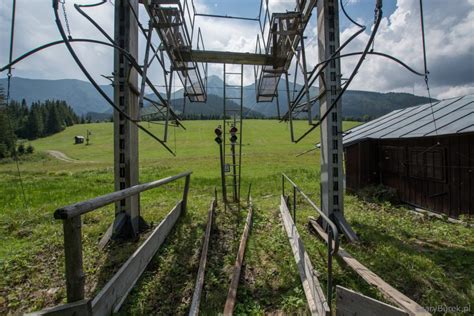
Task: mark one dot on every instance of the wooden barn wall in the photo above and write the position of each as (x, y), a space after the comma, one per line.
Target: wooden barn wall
(448, 189)
(361, 165)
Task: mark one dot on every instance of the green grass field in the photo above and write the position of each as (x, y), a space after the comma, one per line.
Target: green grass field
(428, 260)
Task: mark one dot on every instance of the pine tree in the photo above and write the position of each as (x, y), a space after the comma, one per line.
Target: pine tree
(35, 122)
(43, 119)
(54, 122)
(7, 136)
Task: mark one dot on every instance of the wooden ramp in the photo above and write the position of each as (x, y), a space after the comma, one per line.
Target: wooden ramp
(232, 295)
(317, 303)
(113, 294)
(389, 292)
(111, 297)
(194, 310)
(350, 303)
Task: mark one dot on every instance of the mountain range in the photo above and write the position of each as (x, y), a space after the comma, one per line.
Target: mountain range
(85, 99)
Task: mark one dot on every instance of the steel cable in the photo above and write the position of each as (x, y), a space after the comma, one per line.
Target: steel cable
(94, 83)
(9, 77)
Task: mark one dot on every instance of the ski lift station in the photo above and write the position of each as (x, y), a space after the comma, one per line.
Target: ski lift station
(391, 150)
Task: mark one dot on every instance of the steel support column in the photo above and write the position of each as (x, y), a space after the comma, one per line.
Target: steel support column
(332, 190)
(126, 93)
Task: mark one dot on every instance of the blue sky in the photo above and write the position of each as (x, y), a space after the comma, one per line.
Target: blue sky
(449, 29)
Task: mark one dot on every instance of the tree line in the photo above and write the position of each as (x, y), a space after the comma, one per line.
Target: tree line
(17, 120)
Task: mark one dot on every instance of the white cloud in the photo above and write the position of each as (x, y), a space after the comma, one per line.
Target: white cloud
(35, 26)
(449, 92)
(449, 29)
(450, 50)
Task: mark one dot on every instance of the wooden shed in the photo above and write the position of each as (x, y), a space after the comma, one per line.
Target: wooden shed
(424, 152)
(78, 140)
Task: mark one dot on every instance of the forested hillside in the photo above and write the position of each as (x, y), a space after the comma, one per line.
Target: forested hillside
(19, 121)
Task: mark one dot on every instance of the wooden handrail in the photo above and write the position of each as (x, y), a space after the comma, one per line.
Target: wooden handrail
(72, 225)
(84, 207)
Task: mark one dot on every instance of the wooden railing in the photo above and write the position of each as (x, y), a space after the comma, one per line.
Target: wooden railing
(71, 217)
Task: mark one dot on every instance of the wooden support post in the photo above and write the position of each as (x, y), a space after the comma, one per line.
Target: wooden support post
(75, 278)
(232, 295)
(185, 192)
(294, 204)
(126, 133)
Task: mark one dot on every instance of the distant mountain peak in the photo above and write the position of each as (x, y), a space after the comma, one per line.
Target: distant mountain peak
(82, 96)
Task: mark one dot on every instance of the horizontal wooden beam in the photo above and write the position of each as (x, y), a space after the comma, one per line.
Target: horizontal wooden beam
(95, 203)
(209, 56)
(389, 292)
(317, 303)
(111, 297)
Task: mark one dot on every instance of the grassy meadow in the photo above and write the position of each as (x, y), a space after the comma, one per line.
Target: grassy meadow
(429, 260)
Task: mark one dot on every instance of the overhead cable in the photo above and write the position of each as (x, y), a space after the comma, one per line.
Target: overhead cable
(94, 83)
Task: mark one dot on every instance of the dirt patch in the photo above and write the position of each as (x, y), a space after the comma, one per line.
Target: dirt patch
(63, 157)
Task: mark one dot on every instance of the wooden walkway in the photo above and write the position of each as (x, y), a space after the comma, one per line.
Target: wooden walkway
(317, 303)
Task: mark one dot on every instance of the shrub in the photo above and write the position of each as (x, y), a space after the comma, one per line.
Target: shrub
(4, 151)
(30, 149)
(21, 149)
(379, 193)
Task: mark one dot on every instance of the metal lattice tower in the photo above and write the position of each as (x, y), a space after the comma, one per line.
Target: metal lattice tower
(232, 134)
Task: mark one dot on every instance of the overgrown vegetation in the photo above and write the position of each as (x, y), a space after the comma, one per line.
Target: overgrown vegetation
(429, 260)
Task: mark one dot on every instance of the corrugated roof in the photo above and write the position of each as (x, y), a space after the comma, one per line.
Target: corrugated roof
(451, 116)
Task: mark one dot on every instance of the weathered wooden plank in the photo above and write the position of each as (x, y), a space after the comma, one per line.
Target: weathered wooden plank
(194, 310)
(232, 295)
(95, 203)
(75, 278)
(350, 303)
(423, 212)
(111, 297)
(389, 292)
(106, 238)
(317, 303)
(79, 308)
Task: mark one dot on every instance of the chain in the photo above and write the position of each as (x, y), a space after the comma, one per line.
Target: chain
(63, 4)
(375, 21)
